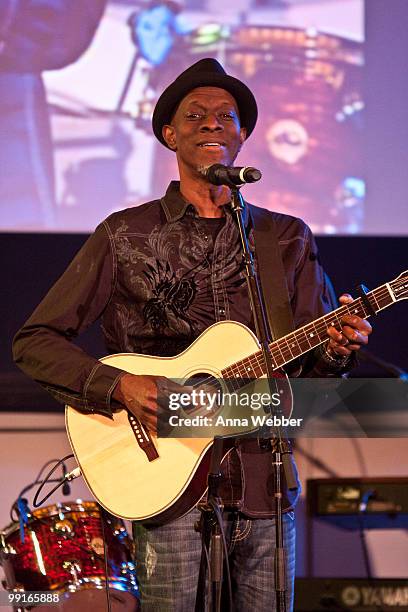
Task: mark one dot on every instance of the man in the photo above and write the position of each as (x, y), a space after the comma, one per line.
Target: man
(159, 275)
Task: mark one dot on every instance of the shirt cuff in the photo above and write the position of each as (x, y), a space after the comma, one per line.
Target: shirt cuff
(99, 387)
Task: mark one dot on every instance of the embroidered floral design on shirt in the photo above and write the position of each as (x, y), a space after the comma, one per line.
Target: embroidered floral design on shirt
(172, 296)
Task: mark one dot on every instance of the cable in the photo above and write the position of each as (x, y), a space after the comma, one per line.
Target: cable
(218, 516)
(20, 511)
(105, 553)
(36, 503)
(37, 478)
(362, 510)
(14, 515)
(207, 558)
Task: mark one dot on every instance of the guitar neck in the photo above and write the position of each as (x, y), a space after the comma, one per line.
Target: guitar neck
(309, 336)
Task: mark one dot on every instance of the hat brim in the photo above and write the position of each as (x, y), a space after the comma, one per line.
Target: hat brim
(172, 96)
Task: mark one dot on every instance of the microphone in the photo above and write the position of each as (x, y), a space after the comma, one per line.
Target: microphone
(66, 489)
(218, 174)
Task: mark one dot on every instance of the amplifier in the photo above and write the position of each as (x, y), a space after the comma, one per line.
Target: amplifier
(356, 594)
(352, 502)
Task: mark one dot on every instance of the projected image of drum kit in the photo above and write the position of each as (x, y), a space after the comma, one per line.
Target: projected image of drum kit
(308, 141)
(308, 85)
(309, 138)
(60, 550)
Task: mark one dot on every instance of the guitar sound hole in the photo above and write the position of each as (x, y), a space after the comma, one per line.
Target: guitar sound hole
(207, 393)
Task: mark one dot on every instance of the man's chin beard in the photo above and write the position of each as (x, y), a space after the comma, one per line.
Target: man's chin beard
(202, 169)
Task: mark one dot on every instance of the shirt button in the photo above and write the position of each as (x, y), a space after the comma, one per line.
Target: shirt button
(221, 311)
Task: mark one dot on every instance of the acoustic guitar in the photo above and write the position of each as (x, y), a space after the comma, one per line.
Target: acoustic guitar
(138, 476)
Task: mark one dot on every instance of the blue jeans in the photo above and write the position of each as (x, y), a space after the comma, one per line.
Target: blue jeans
(168, 560)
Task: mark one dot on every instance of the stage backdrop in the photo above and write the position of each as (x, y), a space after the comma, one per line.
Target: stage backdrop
(76, 112)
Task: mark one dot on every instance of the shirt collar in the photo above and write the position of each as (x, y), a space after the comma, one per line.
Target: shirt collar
(175, 206)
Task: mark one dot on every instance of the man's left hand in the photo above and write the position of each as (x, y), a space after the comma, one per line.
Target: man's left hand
(354, 333)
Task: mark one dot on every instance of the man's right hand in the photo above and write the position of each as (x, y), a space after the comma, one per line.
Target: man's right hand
(146, 396)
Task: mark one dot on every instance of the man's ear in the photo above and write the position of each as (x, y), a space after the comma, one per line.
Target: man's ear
(242, 135)
(169, 135)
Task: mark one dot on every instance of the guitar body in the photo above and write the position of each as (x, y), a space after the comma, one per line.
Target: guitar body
(117, 470)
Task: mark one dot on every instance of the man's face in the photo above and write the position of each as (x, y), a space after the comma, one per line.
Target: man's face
(205, 129)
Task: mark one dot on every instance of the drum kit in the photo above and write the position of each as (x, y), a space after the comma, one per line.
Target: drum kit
(61, 550)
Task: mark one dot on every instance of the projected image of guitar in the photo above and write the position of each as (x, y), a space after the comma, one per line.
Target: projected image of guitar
(139, 476)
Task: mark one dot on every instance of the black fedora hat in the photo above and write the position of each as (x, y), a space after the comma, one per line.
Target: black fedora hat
(204, 73)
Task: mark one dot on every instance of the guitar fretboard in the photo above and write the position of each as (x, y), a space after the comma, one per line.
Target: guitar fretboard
(305, 338)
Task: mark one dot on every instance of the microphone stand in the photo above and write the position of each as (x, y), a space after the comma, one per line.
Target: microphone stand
(280, 448)
(211, 534)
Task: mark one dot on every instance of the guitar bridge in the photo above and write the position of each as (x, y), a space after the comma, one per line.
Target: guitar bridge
(143, 438)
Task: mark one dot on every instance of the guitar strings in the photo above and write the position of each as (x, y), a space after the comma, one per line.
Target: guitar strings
(319, 328)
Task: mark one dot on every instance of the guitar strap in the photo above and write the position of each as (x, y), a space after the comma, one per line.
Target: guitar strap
(271, 272)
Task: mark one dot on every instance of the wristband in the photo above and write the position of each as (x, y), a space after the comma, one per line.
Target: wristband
(338, 360)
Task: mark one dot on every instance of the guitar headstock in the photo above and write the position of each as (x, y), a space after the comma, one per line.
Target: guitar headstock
(399, 286)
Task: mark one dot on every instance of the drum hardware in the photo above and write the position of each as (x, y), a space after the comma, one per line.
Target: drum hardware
(7, 566)
(97, 546)
(74, 569)
(64, 527)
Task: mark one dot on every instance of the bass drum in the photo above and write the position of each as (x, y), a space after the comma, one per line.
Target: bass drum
(63, 552)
